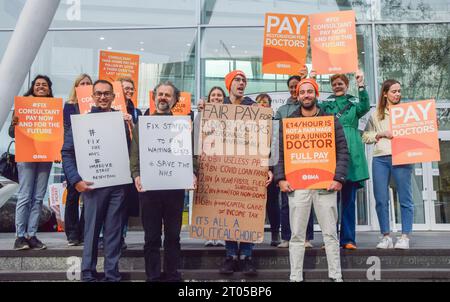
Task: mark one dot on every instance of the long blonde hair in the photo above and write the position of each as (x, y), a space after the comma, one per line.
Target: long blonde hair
(73, 93)
(382, 101)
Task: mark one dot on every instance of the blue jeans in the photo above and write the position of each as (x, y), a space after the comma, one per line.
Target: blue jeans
(33, 180)
(233, 247)
(285, 226)
(382, 169)
(347, 203)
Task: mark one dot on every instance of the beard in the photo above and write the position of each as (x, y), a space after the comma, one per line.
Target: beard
(163, 106)
(311, 105)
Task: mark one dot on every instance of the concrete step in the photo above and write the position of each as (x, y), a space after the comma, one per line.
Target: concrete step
(272, 275)
(212, 258)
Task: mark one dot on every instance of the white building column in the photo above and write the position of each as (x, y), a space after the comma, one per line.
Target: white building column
(31, 28)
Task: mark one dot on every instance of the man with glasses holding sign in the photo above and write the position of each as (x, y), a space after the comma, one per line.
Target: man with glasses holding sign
(103, 198)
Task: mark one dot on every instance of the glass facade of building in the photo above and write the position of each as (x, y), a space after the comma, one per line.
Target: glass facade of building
(194, 43)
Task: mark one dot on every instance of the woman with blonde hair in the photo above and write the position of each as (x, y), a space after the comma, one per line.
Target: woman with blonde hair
(73, 222)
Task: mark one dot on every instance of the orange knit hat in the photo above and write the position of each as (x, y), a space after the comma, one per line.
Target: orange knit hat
(308, 81)
(230, 77)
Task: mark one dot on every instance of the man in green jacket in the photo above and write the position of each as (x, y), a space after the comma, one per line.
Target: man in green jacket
(349, 109)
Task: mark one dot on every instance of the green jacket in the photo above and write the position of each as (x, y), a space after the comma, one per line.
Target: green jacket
(357, 169)
(287, 109)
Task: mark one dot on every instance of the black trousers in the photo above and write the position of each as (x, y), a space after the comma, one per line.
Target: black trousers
(160, 208)
(73, 222)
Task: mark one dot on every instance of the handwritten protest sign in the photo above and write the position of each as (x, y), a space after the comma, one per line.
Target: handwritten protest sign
(285, 43)
(333, 42)
(101, 148)
(115, 65)
(182, 107)
(309, 152)
(39, 134)
(165, 152)
(415, 131)
(230, 200)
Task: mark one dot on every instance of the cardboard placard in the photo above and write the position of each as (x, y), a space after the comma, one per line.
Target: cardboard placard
(415, 131)
(115, 65)
(230, 200)
(165, 152)
(39, 135)
(101, 148)
(309, 152)
(182, 107)
(285, 43)
(333, 42)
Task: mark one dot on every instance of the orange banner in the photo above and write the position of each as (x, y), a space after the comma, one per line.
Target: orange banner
(309, 152)
(415, 131)
(183, 107)
(39, 134)
(333, 42)
(85, 101)
(115, 65)
(285, 43)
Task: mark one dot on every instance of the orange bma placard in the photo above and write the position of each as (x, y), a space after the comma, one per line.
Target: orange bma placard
(84, 96)
(285, 43)
(39, 134)
(115, 65)
(333, 42)
(309, 152)
(415, 133)
(183, 107)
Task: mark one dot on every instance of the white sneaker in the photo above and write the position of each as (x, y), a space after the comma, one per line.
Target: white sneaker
(308, 245)
(385, 243)
(402, 243)
(219, 243)
(209, 243)
(283, 244)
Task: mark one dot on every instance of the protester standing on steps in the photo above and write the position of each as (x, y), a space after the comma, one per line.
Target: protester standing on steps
(239, 254)
(349, 109)
(73, 221)
(102, 206)
(378, 132)
(324, 201)
(273, 192)
(33, 181)
(285, 111)
(216, 95)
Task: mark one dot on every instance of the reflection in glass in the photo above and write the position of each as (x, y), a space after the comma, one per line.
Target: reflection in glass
(420, 10)
(418, 56)
(165, 54)
(441, 184)
(251, 12)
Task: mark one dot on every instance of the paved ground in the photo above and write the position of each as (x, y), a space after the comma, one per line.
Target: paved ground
(135, 239)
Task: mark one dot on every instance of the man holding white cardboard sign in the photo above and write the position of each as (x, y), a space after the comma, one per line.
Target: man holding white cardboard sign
(162, 164)
(96, 164)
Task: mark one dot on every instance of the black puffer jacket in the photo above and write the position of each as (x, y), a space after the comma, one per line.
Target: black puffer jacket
(342, 155)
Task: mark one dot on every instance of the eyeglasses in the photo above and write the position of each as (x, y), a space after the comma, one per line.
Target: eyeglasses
(107, 94)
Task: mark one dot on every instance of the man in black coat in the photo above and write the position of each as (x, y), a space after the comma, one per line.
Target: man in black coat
(324, 201)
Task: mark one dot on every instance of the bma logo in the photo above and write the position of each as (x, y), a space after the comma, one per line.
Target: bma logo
(74, 11)
(310, 177)
(374, 272)
(74, 270)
